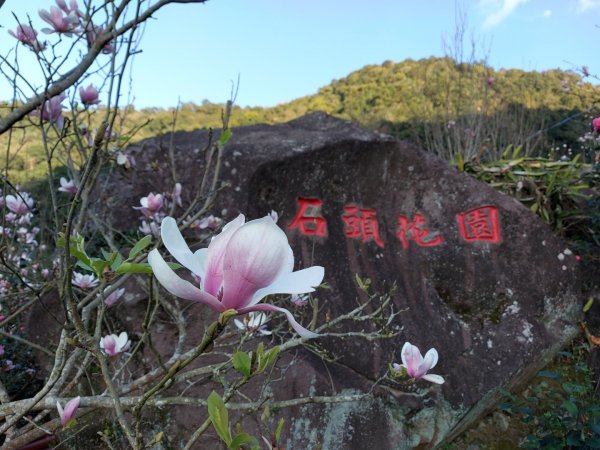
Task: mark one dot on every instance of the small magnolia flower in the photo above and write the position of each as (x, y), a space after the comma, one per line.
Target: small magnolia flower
(45, 273)
(27, 36)
(151, 204)
(273, 215)
(416, 366)
(93, 32)
(150, 228)
(242, 265)
(114, 296)
(68, 413)
(255, 321)
(299, 300)
(84, 281)
(19, 204)
(60, 23)
(67, 186)
(89, 95)
(51, 111)
(177, 194)
(211, 222)
(125, 160)
(451, 124)
(490, 81)
(112, 344)
(72, 9)
(596, 125)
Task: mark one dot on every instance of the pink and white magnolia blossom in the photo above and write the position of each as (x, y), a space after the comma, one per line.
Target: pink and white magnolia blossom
(51, 111)
(253, 322)
(71, 9)
(67, 186)
(59, 21)
(150, 228)
(89, 95)
(27, 36)
(69, 412)
(176, 195)
(19, 204)
(113, 345)
(92, 33)
(211, 222)
(416, 366)
(84, 281)
(242, 265)
(151, 204)
(112, 298)
(596, 125)
(273, 215)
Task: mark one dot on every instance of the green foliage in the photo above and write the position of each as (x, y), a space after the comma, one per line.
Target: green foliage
(557, 191)
(562, 410)
(219, 417)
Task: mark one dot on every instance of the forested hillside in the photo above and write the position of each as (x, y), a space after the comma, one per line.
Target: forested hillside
(447, 107)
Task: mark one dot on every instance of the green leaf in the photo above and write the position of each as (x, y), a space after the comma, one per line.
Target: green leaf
(242, 363)
(117, 262)
(218, 415)
(127, 267)
(243, 438)
(278, 430)
(570, 407)
(266, 359)
(139, 246)
(224, 138)
(588, 304)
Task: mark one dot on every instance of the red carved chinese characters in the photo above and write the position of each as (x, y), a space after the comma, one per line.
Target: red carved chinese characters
(479, 224)
(306, 219)
(361, 223)
(417, 231)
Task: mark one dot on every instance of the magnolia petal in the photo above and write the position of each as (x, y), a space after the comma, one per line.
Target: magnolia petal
(253, 259)
(216, 253)
(122, 341)
(411, 358)
(300, 282)
(174, 242)
(431, 358)
(178, 286)
(71, 407)
(438, 379)
(303, 332)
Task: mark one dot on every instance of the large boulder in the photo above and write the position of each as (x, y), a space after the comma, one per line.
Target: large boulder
(471, 272)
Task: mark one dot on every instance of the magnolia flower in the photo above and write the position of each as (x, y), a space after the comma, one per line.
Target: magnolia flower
(67, 186)
(273, 215)
(84, 281)
(92, 32)
(72, 9)
(19, 204)
(177, 194)
(151, 204)
(60, 23)
(27, 36)
(89, 95)
(69, 412)
(113, 297)
(211, 222)
(125, 160)
(149, 228)
(416, 366)
(299, 300)
(242, 265)
(255, 321)
(596, 125)
(112, 344)
(51, 111)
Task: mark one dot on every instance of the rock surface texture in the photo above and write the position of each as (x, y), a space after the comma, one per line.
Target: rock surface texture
(471, 272)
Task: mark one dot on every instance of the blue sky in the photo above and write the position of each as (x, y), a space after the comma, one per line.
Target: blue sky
(284, 49)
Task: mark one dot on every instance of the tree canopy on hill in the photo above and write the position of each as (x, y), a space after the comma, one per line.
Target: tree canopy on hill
(447, 107)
